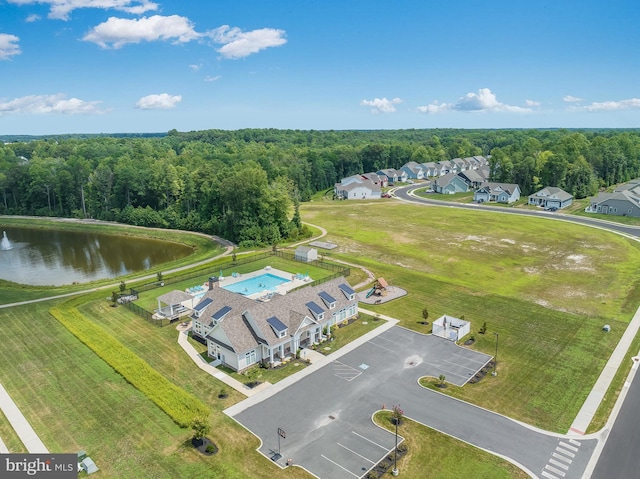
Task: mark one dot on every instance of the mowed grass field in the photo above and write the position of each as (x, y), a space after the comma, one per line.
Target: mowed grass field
(546, 288)
(75, 401)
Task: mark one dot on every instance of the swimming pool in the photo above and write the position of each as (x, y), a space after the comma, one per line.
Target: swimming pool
(257, 284)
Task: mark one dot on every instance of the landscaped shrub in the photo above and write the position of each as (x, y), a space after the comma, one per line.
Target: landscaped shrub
(180, 405)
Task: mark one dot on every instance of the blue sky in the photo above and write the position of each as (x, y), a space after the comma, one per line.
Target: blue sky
(106, 66)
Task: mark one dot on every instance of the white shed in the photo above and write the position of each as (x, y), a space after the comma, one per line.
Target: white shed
(451, 328)
(306, 254)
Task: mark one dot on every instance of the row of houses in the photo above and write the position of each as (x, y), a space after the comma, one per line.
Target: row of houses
(369, 185)
(623, 201)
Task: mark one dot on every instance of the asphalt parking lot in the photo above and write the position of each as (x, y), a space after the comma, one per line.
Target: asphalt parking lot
(326, 416)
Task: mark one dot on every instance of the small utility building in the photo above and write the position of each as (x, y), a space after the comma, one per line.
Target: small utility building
(306, 254)
(451, 328)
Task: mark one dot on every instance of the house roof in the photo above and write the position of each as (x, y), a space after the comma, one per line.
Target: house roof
(174, 297)
(444, 180)
(619, 196)
(290, 310)
(553, 193)
(472, 175)
(491, 187)
(276, 324)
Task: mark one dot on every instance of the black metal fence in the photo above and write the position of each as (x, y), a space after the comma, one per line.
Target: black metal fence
(338, 270)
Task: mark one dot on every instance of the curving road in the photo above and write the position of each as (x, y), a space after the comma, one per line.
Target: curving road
(407, 193)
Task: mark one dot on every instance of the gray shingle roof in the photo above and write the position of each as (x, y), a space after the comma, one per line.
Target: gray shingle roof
(174, 297)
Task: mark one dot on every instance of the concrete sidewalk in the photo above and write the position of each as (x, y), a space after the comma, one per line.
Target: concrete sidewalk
(215, 372)
(3, 447)
(591, 404)
(20, 425)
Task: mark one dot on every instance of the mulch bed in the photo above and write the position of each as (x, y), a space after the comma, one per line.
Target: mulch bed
(482, 373)
(202, 444)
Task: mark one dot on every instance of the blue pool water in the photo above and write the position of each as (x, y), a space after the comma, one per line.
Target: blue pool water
(257, 284)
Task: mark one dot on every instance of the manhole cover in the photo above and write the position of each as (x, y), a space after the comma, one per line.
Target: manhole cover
(332, 417)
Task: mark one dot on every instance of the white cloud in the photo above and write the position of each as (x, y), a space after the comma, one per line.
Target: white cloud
(381, 105)
(630, 104)
(484, 100)
(239, 44)
(32, 18)
(162, 101)
(435, 107)
(571, 99)
(49, 104)
(60, 9)
(195, 68)
(8, 46)
(215, 78)
(532, 103)
(116, 32)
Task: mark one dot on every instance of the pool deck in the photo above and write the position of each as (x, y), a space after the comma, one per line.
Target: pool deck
(292, 281)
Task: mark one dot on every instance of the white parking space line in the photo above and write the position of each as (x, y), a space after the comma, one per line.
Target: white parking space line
(354, 452)
(461, 365)
(344, 371)
(372, 442)
(383, 347)
(471, 359)
(341, 467)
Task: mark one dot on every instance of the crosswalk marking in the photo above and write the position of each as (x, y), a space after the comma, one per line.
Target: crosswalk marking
(550, 476)
(562, 458)
(554, 470)
(575, 443)
(559, 464)
(569, 446)
(565, 452)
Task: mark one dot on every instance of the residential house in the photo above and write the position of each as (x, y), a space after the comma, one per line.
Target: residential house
(449, 184)
(429, 169)
(357, 188)
(497, 192)
(241, 332)
(393, 175)
(461, 165)
(446, 167)
(474, 178)
(413, 170)
(624, 201)
(377, 179)
(551, 197)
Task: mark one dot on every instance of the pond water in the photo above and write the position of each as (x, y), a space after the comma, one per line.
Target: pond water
(55, 257)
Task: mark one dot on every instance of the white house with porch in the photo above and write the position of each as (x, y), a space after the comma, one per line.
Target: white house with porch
(241, 332)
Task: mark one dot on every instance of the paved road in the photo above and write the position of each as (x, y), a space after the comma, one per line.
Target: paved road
(620, 456)
(327, 415)
(404, 193)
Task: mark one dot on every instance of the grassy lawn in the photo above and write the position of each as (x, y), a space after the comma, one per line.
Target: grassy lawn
(345, 334)
(258, 374)
(203, 248)
(537, 283)
(433, 454)
(75, 401)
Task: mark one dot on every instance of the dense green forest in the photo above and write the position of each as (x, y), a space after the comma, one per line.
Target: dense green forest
(242, 184)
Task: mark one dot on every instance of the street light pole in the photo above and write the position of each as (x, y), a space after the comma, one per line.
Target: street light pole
(495, 360)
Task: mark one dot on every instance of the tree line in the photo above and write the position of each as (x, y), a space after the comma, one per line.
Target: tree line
(243, 184)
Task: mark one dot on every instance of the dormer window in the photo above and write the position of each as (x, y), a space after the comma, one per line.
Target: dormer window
(316, 310)
(327, 299)
(279, 328)
(348, 292)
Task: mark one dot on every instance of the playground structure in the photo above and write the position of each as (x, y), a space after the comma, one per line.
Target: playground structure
(380, 288)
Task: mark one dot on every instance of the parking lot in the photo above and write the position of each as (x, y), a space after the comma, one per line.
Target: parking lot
(326, 416)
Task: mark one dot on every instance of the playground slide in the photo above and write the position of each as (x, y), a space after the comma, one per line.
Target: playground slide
(370, 292)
